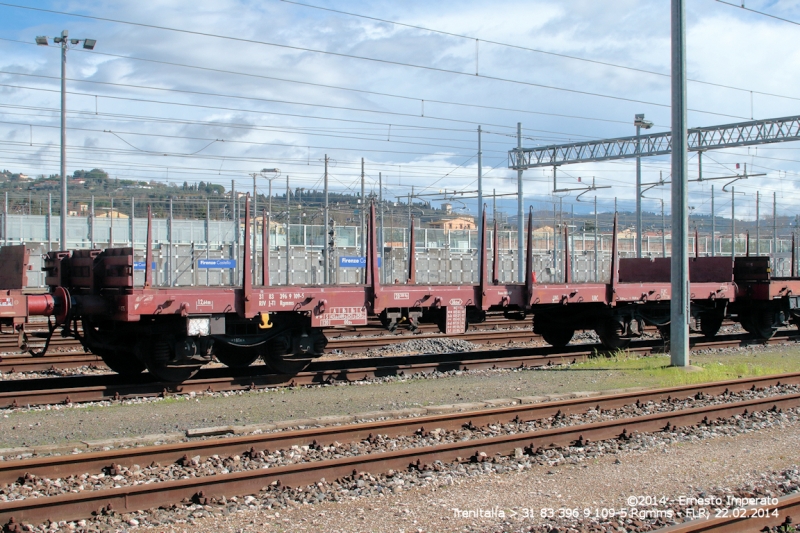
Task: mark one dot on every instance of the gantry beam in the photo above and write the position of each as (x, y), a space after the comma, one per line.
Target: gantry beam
(710, 138)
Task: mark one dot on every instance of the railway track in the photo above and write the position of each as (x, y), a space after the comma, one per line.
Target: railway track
(497, 331)
(339, 342)
(127, 498)
(81, 389)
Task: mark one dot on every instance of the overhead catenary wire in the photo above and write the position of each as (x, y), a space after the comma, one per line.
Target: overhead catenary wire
(251, 127)
(223, 108)
(364, 58)
(556, 54)
(763, 13)
(421, 100)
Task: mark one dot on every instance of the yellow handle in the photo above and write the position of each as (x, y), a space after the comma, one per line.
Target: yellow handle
(265, 323)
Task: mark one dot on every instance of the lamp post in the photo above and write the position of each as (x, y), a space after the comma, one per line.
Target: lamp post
(640, 123)
(64, 41)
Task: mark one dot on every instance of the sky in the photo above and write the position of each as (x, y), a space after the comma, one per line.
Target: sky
(182, 91)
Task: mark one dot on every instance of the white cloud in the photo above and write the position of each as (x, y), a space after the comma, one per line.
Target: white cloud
(726, 46)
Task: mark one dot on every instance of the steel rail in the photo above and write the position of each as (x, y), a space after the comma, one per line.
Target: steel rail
(26, 363)
(131, 498)
(63, 466)
(347, 342)
(117, 389)
(79, 389)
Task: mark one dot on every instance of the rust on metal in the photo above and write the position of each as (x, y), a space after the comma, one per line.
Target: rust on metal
(131, 498)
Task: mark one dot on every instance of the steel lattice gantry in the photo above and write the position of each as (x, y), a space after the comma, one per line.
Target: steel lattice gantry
(699, 139)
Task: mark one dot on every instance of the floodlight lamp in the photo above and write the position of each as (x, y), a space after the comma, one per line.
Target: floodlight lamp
(41, 40)
(88, 44)
(641, 122)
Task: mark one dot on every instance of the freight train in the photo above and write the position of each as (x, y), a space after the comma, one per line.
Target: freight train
(171, 332)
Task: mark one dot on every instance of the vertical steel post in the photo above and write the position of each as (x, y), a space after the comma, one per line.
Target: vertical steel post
(91, 217)
(494, 205)
(133, 208)
(679, 308)
(254, 258)
(555, 243)
(663, 232)
(148, 251)
(264, 250)
(758, 228)
(170, 228)
(638, 189)
(325, 224)
(700, 179)
(520, 221)
(596, 252)
(733, 222)
(288, 221)
(480, 190)
(63, 240)
(774, 232)
(556, 236)
(381, 277)
(410, 220)
(208, 236)
(713, 226)
(235, 244)
(111, 225)
(361, 211)
(571, 244)
(50, 220)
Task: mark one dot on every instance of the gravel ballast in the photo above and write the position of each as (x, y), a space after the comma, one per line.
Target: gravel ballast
(71, 426)
(742, 456)
(193, 467)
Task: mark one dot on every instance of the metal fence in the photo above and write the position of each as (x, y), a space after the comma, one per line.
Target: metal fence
(182, 248)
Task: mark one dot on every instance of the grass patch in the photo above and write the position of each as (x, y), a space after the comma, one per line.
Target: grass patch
(656, 369)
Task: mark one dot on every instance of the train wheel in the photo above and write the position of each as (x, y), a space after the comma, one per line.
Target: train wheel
(234, 356)
(157, 355)
(610, 335)
(558, 336)
(280, 356)
(122, 362)
(759, 324)
(710, 324)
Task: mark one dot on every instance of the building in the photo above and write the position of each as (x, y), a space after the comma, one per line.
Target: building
(454, 223)
(111, 213)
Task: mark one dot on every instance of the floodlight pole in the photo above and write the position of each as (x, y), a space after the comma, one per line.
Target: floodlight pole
(63, 237)
(325, 253)
(480, 176)
(64, 41)
(520, 221)
(640, 123)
